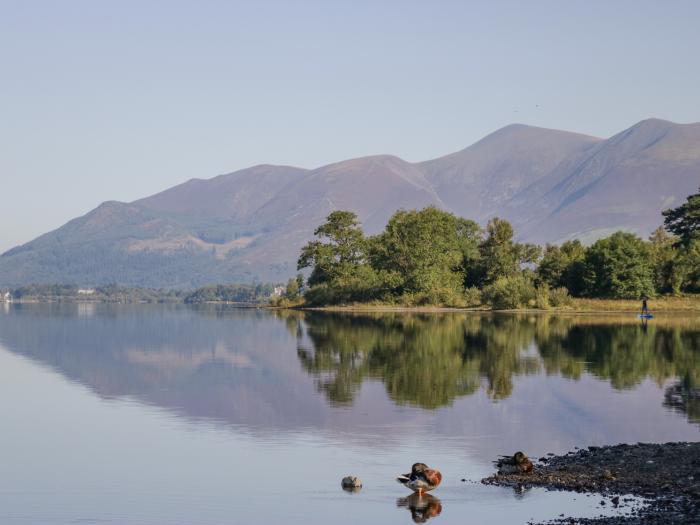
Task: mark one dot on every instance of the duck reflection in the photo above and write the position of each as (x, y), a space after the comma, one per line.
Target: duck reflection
(421, 506)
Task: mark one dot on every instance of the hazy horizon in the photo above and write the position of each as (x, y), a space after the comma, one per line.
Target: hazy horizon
(119, 101)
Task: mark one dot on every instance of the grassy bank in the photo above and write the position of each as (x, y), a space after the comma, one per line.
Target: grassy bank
(659, 304)
(686, 303)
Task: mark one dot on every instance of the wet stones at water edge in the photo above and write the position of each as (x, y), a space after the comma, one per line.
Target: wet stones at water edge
(351, 484)
(664, 475)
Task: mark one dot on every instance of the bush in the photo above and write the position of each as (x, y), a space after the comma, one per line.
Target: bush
(508, 293)
(321, 294)
(542, 299)
(559, 297)
(472, 297)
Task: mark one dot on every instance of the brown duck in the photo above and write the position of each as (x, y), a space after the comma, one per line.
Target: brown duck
(518, 463)
(421, 478)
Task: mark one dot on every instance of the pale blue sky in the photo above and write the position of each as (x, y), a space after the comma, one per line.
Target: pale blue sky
(104, 100)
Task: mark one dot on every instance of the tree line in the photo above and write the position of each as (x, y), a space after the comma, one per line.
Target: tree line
(433, 257)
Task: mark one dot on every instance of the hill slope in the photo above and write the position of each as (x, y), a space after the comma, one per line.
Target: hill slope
(250, 224)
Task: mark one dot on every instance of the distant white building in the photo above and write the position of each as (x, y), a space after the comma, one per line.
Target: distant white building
(5, 297)
(278, 291)
(86, 291)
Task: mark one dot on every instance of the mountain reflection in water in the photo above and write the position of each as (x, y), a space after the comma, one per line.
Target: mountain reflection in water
(261, 368)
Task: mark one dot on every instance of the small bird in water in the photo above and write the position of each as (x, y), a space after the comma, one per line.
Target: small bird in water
(421, 478)
(518, 463)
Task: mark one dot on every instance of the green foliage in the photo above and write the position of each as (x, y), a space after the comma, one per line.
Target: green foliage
(619, 267)
(507, 293)
(563, 266)
(684, 221)
(292, 289)
(432, 257)
(426, 249)
(664, 261)
(339, 254)
(111, 293)
(498, 255)
(233, 293)
(472, 297)
(559, 297)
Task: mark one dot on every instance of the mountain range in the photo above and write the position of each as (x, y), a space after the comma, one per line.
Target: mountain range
(250, 224)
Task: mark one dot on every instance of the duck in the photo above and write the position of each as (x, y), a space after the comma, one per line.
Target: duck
(421, 478)
(518, 463)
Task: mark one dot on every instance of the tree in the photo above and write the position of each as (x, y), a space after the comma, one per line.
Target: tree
(562, 266)
(292, 290)
(684, 221)
(686, 268)
(499, 255)
(300, 281)
(619, 267)
(341, 253)
(664, 261)
(426, 249)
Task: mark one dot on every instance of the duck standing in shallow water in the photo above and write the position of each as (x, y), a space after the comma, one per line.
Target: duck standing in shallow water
(519, 463)
(421, 478)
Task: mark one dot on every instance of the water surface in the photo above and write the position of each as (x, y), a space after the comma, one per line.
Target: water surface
(177, 415)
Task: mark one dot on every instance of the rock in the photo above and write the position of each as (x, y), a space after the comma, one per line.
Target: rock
(351, 483)
(607, 474)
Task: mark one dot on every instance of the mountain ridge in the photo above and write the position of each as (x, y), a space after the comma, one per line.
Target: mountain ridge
(250, 224)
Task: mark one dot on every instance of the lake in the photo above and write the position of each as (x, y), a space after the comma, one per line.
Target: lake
(151, 414)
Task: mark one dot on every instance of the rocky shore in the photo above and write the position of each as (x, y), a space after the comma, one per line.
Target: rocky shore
(666, 475)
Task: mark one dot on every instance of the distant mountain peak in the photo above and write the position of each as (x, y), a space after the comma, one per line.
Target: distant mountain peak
(250, 224)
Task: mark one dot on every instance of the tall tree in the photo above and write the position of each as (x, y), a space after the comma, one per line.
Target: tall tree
(427, 249)
(684, 221)
(339, 253)
(499, 255)
(619, 266)
(664, 260)
(562, 266)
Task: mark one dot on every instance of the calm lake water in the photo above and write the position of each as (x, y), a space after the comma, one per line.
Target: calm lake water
(175, 415)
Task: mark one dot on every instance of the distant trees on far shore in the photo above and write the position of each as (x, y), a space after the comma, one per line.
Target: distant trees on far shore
(432, 257)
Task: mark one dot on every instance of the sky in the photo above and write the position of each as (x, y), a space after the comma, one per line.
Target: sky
(116, 100)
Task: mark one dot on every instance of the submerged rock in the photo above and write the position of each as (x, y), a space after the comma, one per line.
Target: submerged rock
(351, 483)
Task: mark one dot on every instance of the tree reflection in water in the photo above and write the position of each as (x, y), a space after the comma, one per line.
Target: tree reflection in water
(430, 360)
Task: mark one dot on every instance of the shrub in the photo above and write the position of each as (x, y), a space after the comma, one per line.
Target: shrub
(507, 293)
(472, 297)
(559, 297)
(542, 299)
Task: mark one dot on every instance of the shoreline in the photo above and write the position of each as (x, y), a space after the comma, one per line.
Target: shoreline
(684, 304)
(666, 475)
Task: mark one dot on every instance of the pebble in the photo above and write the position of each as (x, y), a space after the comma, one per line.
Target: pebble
(351, 482)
